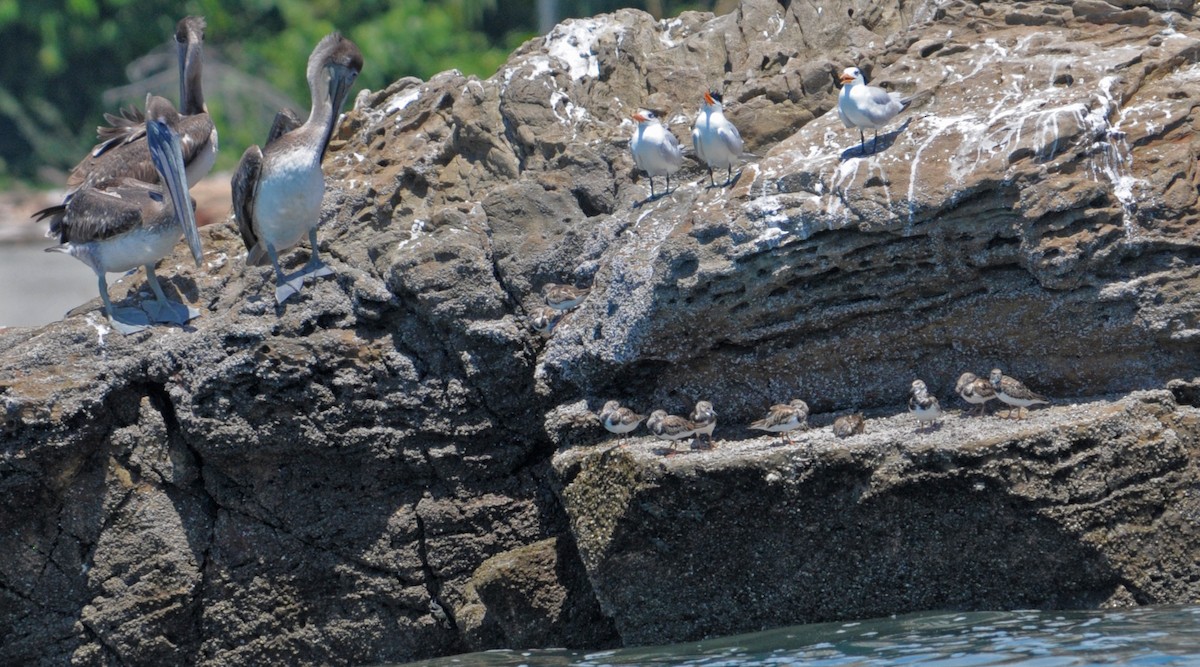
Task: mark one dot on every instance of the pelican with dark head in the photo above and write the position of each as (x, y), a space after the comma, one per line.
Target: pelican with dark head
(277, 190)
(122, 151)
(125, 223)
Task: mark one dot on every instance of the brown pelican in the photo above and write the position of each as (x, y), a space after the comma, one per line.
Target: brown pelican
(122, 151)
(125, 223)
(277, 191)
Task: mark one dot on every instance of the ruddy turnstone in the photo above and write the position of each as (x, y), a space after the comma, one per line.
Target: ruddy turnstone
(564, 297)
(924, 405)
(543, 320)
(783, 418)
(619, 420)
(975, 390)
(866, 107)
(670, 427)
(655, 149)
(1012, 392)
(717, 142)
(704, 420)
(848, 425)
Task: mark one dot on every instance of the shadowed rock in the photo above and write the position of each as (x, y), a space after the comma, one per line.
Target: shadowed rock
(320, 482)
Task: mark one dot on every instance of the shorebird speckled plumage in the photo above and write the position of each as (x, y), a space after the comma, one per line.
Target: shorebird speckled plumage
(848, 425)
(277, 190)
(1012, 392)
(564, 297)
(924, 405)
(784, 418)
(704, 420)
(975, 390)
(619, 420)
(670, 427)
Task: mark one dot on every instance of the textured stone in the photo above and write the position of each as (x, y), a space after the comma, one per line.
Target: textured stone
(319, 482)
(1086, 505)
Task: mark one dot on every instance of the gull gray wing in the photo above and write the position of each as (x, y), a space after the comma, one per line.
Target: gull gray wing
(245, 191)
(731, 138)
(670, 150)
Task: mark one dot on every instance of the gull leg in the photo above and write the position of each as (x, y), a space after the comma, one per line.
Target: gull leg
(862, 142)
(652, 187)
(133, 319)
(711, 181)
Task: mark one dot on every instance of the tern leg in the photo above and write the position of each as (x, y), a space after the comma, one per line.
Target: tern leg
(164, 310)
(284, 287)
(134, 320)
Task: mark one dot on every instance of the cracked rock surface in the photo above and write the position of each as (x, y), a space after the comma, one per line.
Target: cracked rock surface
(323, 482)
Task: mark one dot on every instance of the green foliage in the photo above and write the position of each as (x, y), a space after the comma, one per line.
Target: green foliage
(69, 61)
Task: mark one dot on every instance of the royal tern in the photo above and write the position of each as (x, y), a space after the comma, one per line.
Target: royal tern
(717, 142)
(866, 107)
(655, 149)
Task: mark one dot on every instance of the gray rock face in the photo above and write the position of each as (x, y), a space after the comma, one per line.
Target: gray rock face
(320, 482)
(1087, 505)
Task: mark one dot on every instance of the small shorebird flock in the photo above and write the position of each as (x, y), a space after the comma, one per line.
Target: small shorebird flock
(785, 418)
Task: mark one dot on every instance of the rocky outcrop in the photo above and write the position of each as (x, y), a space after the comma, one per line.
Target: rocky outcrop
(1088, 505)
(321, 482)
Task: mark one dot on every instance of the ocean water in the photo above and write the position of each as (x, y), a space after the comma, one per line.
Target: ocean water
(37, 287)
(1159, 636)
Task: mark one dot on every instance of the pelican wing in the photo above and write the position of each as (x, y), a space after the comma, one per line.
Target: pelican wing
(130, 159)
(98, 213)
(285, 121)
(125, 126)
(245, 191)
(195, 134)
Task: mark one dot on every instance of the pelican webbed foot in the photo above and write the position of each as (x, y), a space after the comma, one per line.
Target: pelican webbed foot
(170, 312)
(128, 320)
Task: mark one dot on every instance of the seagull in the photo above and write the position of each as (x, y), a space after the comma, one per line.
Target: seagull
(655, 149)
(923, 404)
(122, 150)
(975, 390)
(783, 418)
(670, 427)
(277, 190)
(866, 107)
(124, 223)
(619, 420)
(704, 419)
(715, 139)
(1012, 392)
(564, 297)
